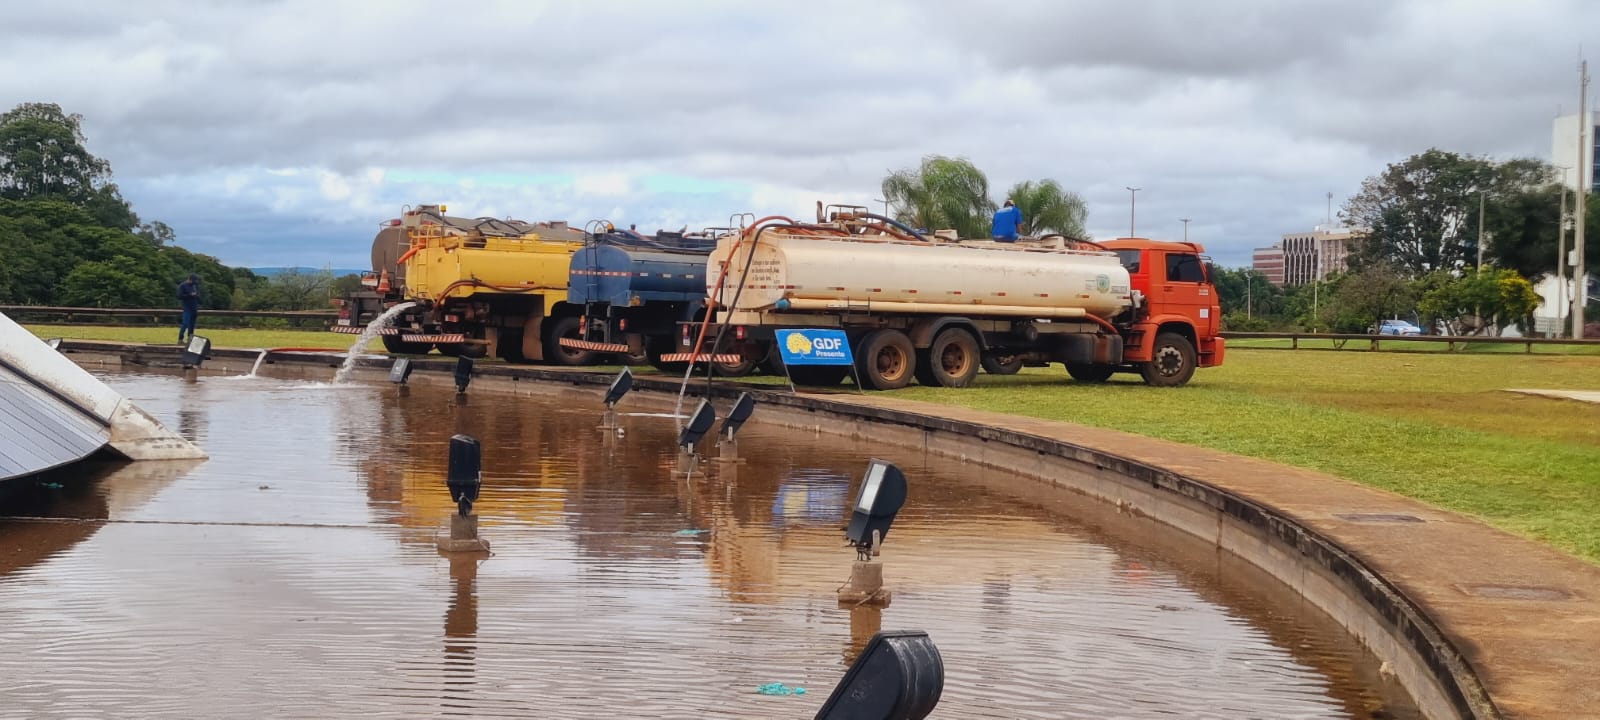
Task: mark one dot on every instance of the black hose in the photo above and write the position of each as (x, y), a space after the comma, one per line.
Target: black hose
(897, 224)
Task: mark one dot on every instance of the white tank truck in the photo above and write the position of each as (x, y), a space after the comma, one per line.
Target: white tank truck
(935, 310)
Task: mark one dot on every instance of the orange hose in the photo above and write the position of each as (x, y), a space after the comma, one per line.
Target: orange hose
(407, 255)
(1102, 323)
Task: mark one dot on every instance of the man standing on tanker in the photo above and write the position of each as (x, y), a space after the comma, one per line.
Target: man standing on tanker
(189, 297)
(1006, 222)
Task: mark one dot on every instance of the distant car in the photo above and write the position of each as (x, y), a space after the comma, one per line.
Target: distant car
(1395, 327)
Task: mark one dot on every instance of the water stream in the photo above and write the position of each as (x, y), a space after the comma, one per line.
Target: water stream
(257, 367)
(372, 330)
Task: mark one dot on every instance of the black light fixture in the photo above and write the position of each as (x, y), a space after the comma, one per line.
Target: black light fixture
(400, 371)
(899, 676)
(619, 387)
(883, 491)
(742, 408)
(700, 423)
(198, 349)
(465, 476)
(463, 373)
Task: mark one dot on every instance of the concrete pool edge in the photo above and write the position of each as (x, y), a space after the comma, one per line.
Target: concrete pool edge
(1349, 550)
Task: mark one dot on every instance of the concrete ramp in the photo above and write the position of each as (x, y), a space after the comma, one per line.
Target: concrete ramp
(53, 412)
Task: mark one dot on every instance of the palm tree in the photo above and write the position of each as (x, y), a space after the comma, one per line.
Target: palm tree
(1047, 209)
(942, 193)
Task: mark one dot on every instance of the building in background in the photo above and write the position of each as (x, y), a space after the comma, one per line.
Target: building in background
(1564, 149)
(1303, 257)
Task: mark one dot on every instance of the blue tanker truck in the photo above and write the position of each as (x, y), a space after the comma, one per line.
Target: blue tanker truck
(637, 290)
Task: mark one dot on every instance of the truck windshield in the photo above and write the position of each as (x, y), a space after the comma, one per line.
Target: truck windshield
(1130, 259)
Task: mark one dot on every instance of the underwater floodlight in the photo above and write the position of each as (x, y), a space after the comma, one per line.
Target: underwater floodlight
(619, 387)
(700, 423)
(465, 476)
(742, 408)
(463, 373)
(899, 676)
(883, 491)
(196, 351)
(400, 371)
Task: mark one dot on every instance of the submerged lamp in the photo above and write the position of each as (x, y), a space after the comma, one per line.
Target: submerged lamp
(196, 351)
(742, 408)
(465, 476)
(400, 371)
(619, 387)
(463, 373)
(700, 423)
(883, 491)
(899, 676)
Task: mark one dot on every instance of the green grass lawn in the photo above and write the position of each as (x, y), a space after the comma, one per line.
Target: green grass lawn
(231, 338)
(1434, 426)
(1390, 344)
(1437, 427)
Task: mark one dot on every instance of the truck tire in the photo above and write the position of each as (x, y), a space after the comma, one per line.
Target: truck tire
(886, 360)
(818, 375)
(449, 349)
(951, 360)
(1091, 374)
(1001, 364)
(1172, 361)
(566, 326)
(396, 346)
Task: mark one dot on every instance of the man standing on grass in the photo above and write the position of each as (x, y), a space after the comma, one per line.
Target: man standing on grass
(189, 296)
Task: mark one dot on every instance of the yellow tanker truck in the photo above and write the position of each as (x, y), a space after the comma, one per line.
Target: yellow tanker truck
(478, 287)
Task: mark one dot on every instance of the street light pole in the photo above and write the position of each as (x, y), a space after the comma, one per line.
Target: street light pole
(885, 206)
(1579, 218)
(1185, 222)
(1561, 258)
(1133, 202)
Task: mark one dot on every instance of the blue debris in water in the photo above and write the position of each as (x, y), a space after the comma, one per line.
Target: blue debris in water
(779, 689)
(688, 532)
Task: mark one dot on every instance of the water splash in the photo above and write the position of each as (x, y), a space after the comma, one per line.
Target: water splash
(373, 329)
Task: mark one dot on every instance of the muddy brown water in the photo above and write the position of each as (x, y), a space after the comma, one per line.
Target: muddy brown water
(294, 574)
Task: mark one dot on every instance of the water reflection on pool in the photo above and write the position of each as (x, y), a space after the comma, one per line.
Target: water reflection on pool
(294, 574)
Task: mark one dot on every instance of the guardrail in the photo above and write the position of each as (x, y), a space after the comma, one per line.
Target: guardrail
(1374, 343)
(54, 315)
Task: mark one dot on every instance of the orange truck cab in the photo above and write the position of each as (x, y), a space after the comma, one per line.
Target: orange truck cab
(1173, 297)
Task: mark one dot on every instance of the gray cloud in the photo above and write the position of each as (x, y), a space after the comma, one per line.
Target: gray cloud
(1238, 114)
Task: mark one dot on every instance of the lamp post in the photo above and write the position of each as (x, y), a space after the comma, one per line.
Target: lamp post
(1133, 201)
(885, 206)
(1185, 222)
(1480, 230)
(1579, 217)
(1561, 257)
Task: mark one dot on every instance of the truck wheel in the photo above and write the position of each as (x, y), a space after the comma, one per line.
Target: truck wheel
(1001, 364)
(1171, 363)
(818, 375)
(554, 353)
(1091, 374)
(395, 345)
(474, 351)
(950, 361)
(450, 349)
(886, 360)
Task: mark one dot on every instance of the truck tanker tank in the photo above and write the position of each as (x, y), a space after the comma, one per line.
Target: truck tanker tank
(816, 273)
(609, 273)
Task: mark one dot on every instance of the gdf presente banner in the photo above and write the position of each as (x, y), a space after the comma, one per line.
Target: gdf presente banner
(814, 347)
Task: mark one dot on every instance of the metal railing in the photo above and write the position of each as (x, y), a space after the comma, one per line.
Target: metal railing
(54, 315)
(1374, 343)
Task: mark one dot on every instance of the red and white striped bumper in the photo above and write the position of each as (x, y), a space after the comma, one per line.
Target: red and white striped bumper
(577, 344)
(440, 338)
(729, 358)
(357, 330)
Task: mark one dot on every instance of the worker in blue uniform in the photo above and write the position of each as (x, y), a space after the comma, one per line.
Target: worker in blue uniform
(189, 297)
(1006, 222)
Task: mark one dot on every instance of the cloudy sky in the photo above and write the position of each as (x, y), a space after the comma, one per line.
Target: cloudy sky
(282, 133)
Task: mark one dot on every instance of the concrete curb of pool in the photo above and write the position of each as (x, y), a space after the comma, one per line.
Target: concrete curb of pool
(1338, 559)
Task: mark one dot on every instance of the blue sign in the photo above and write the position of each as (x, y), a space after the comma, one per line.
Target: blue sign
(814, 347)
